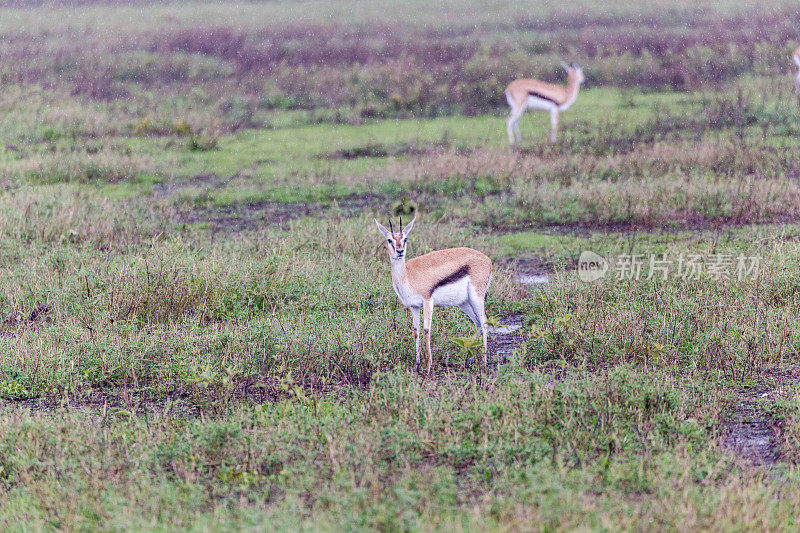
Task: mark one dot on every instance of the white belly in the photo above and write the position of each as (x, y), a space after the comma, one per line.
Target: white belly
(407, 296)
(534, 102)
(451, 295)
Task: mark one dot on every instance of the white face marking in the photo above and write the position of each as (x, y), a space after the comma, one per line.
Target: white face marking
(396, 244)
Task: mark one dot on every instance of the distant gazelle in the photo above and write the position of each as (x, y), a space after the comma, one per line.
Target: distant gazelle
(455, 277)
(796, 59)
(534, 94)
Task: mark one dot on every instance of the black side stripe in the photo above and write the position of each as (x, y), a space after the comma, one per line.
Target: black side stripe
(452, 278)
(543, 97)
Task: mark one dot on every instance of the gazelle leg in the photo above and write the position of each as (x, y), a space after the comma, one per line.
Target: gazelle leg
(480, 323)
(472, 309)
(511, 124)
(427, 319)
(415, 318)
(553, 124)
(468, 309)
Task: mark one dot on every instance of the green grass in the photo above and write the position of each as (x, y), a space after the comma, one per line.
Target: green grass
(526, 440)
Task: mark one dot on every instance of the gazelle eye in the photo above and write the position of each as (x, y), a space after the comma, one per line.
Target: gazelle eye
(389, 241)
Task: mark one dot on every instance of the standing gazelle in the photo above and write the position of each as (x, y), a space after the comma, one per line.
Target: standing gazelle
(534, 94)
(796, 59)
(455, 277)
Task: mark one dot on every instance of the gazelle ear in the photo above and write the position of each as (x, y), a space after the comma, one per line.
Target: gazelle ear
(382, 229)
(566, 67)
(410, 225)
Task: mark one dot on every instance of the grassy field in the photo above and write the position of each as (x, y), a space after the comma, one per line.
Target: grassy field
(197, 324)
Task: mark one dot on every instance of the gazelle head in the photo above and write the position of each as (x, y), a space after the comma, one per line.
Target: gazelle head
(396, 242)
(574, 71)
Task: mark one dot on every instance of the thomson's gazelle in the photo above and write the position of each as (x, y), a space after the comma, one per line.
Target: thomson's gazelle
(796, 59)
(455, 277)
(534, 94)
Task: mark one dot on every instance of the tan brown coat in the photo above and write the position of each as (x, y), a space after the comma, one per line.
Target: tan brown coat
(521, 89)
(426, 272)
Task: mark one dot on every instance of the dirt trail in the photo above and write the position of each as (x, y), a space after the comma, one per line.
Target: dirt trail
(505, 339)
(752, 433)
(250, 216)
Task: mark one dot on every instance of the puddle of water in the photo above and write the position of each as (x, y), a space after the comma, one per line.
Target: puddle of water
(752, 434)
(533, 279)
(505, 339)
(505, 329)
